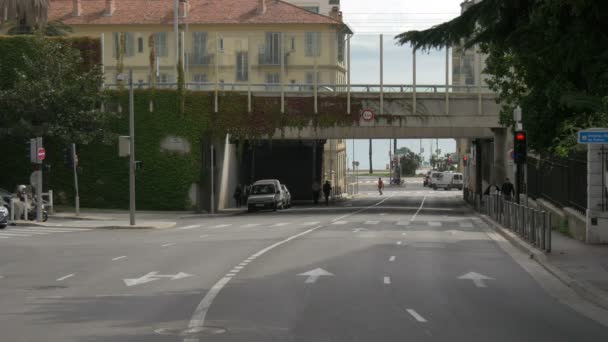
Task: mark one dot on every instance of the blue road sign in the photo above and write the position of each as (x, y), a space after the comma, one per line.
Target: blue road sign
(593, 137)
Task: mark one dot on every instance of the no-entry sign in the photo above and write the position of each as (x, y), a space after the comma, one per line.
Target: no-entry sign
(41, 153)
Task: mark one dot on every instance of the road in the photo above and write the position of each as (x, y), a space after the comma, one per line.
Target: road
(411, 265)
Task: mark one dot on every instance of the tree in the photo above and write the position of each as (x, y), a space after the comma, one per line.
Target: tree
(409, 162)
(550, 57)
(52, 94)
(27, 15)
(371, 167)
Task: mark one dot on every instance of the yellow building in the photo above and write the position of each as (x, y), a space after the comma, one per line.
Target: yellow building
(231, 42)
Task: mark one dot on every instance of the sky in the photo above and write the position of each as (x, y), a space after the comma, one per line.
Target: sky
(368, 19)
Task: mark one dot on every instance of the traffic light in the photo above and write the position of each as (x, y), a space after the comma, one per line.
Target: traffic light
(520, 150)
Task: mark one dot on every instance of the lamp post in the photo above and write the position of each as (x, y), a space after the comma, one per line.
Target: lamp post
(129, 77)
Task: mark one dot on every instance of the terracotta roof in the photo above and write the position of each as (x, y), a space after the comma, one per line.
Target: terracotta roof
(200, 12)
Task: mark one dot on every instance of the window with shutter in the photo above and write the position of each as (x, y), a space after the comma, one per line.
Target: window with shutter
(160, 44)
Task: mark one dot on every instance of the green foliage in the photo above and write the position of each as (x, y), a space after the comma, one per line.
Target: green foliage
(549, 57)
(409, 161)
(48, 90)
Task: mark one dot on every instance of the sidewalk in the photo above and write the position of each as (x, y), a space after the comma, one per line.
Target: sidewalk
(580, 266)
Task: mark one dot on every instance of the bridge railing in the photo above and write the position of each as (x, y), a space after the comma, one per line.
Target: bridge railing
(309, 89)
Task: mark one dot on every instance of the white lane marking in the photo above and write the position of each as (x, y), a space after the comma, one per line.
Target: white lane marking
(387, 280)
(313, 275)
(14, 234)
(466, 225)
(67, 229)
(249, 225)
(221, 226)
(204, 235)
(399, 242)
(238, 267)
(416, 315)
(280, 224)
(198, 317)
(168, 244)
(57, 230)
(403, 223)
(191, 340)
(313, 223)
(190, 227)
(65, 277)
(340, 222)
(4, 237)
(417, 211)
(434, 224)
(372, 222)
(391, 259)
(404, 234)
(30, 231)
(120, 257)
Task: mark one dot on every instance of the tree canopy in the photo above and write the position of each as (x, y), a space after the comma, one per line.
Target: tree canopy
(48, 90)
(549, 56)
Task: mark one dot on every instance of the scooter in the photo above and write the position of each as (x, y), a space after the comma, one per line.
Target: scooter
(31, 215)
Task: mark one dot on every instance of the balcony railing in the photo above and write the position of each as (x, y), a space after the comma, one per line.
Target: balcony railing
(270, 59)
(195, 59)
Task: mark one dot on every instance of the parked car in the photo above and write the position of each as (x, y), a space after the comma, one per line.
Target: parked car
(286, 196)
(458, 181)
(265, 194)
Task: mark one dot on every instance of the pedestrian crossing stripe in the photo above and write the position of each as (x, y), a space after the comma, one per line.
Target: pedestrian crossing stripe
(340, 222)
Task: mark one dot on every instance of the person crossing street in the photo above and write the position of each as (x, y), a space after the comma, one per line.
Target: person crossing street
(380, 186)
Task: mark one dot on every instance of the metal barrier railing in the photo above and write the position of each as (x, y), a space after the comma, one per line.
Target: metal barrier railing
(530, 224)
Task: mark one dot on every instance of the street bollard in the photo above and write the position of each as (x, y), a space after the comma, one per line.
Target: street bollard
(543, 237)
(12, 218)
(548, 233)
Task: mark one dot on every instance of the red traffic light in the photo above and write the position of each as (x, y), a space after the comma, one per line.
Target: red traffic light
(520, 136)
(465, 158)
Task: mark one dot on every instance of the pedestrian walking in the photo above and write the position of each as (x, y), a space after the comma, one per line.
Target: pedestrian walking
(316, 190)
(238, 195)
(507, 190)
(380, 186)
(326, 191)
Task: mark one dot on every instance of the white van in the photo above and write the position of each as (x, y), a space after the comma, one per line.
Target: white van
(449, 180)
(435, 178)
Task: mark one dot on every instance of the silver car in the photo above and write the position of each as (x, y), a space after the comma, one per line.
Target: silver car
(265, 194)
(286, 196)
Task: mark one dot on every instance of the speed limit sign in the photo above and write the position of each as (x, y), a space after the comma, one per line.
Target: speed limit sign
(367, 114)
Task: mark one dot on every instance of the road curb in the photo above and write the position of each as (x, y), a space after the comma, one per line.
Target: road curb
(165, 225)
(583, 288)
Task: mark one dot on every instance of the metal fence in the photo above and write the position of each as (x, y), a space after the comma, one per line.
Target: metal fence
(562, 182)
(530, 224)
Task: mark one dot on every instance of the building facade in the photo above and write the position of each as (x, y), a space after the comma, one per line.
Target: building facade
(229, 42)
(468, 64)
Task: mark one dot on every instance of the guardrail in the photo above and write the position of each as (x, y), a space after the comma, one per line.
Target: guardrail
(321, 88)
(530, 224)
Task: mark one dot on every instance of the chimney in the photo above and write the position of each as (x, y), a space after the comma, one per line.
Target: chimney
(77, 8)
(335, 13)
(183, 8)
(261, 6)
(110, 7)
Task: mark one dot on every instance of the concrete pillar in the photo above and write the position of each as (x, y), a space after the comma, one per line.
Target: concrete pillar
(597, 181)
(463, 147)
(499, 164)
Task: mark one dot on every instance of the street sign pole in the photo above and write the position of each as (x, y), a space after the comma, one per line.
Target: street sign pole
(74, 162)
(39, 147)
(132, 151)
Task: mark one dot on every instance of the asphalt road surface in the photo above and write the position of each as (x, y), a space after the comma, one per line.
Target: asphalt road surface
(411, 265)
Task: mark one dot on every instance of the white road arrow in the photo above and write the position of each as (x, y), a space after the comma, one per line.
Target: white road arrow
(313, 275)
(152, 276)
(478, 279)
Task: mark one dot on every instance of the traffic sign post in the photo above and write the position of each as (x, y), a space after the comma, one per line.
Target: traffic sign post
(367, 114)
(593, 136)
(41, 154)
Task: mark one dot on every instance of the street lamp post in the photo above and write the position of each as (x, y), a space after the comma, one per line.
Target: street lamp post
(123, 77)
